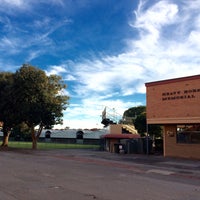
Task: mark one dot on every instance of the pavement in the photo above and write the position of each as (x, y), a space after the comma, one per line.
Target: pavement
(91, 174)
(179, 165)
(158, 164)
(182, 165)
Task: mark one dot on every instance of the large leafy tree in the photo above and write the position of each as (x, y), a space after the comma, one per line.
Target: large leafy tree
(134, 111)
(154, 130)
(140, 123)
(138, 115)
(39, 99)
(8, 115)
(21, 131)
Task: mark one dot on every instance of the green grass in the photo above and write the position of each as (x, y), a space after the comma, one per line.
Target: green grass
(43, 145)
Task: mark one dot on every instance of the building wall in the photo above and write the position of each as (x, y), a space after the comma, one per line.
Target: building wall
(115, 129)
(174, 101)
(174, 149)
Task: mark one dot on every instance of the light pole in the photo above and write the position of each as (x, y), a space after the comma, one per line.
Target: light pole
(147, 138)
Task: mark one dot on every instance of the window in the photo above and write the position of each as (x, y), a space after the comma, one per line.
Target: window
(188, 134)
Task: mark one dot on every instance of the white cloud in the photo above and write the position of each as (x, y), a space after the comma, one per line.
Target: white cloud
(153, 19)
(56, 70)
(87, 114)
(32, 39)
(17, 3)
(155, 55)
(69, 77)
(33, 54)
(194, 38)
(9, 45)
(167, 47)
(61, 70)
(26, 4)
(171, 54)
(109, 74)
(9, 6)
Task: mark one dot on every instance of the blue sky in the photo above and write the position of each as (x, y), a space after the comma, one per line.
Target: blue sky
(105, 50)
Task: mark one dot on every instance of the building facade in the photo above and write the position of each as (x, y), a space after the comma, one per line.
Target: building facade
(175, 104)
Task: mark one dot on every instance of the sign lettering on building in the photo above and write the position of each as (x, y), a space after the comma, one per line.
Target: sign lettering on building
(180, 94)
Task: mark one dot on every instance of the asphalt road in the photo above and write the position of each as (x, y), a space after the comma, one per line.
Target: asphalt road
(89, 174)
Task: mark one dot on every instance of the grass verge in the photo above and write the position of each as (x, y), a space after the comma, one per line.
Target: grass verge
(45, 145)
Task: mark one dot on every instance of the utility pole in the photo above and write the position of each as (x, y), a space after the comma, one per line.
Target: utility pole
(147, 139)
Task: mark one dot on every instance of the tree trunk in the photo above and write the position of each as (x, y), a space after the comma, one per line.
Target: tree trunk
(34, 138)
(39, 131)
(6, 134)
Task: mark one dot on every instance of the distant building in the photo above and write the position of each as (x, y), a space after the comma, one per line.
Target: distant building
(91, 136)
(118, 134)
(175, 104)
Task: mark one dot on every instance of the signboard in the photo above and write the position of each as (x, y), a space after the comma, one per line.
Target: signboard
(174, 101)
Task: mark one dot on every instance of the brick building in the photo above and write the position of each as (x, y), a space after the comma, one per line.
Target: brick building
(175, 104)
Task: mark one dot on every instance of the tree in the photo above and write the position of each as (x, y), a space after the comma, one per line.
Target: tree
(21, 132)
(39, 99)
(8, 115)
(134, 111)
(139, 121)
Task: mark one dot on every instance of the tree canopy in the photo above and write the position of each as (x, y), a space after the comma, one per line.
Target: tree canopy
(7, 106)
(36, 99)
(139, 120)
(134, 111)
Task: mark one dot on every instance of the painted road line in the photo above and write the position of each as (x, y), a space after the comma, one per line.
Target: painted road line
(158, 171)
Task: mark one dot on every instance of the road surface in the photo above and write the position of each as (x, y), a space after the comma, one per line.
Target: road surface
(90, 174)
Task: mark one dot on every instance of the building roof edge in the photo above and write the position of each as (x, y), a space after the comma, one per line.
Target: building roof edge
(160, 82)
